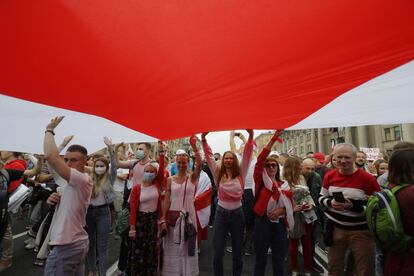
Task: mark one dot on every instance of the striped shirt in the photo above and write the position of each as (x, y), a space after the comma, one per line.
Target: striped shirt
(355, 187)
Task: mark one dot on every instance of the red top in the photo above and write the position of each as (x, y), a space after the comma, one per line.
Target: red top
(19, 165)
(136, 192)
(262, 194)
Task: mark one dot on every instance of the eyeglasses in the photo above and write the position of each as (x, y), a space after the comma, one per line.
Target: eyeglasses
(271, 165)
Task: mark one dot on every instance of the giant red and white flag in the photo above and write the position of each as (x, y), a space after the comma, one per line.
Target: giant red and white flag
(166, 69)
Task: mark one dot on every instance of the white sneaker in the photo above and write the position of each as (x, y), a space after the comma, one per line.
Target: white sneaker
(295, 273)
(31, 244)
(119, 272)
(27, 241)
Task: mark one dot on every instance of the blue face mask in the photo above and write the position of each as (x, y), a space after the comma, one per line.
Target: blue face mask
(139, 154)
(149, 177)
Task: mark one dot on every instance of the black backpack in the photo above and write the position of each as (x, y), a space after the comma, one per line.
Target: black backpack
(4, 201)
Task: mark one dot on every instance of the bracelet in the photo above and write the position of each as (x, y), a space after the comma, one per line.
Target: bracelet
(51, 131)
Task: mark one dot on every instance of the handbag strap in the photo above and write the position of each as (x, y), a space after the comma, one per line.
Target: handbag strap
(185, 190)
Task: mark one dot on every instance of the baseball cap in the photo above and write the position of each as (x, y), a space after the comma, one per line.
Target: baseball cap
(180, 152)
(320, 156)
(275, 152)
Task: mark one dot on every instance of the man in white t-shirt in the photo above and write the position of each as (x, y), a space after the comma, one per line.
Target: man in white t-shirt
(68, 238)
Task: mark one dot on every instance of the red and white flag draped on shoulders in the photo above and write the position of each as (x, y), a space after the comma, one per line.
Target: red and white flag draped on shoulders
(270, 64)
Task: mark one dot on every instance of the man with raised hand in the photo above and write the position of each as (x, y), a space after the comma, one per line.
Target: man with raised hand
(68, 238)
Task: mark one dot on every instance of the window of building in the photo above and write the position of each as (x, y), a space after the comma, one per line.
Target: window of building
(308, 136)
(309, 148)
(397, 133)
(387, 132)
(301, 150)
(301, 139)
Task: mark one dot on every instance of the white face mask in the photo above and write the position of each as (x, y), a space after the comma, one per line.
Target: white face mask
(149, 176)
(100, 170)
(140, 154)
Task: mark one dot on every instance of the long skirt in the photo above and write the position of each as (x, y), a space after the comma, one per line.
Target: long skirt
(145, 249)
(175, 258)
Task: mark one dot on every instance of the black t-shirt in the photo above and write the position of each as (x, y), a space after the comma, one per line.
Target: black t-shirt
(14, 174)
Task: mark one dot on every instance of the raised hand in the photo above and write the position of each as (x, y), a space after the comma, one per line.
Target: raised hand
(54, 123)
(276, 136)
(108, 141)
(203, 135)
(193, 141)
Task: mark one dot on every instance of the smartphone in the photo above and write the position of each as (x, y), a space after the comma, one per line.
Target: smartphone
(339, 197)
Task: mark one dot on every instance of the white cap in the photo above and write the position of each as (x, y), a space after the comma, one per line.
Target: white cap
(275, 152)
(180, 152)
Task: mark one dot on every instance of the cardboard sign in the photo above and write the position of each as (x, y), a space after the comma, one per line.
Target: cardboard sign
(372, 153)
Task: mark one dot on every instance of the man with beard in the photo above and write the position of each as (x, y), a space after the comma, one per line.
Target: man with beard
(361, 161)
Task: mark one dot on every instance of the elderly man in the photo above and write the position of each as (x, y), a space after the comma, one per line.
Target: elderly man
(344, 195)
(68, 238)
(314, 182)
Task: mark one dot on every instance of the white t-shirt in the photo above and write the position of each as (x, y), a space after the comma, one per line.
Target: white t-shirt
(118, 183)
(249, 181)
(70, 218)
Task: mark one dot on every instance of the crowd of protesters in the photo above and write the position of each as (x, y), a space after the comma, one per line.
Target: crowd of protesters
(264, 202)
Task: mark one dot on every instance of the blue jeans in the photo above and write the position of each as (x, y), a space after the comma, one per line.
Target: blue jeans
(67, 259)
(228, 221)
(98, 221)
(268, 234)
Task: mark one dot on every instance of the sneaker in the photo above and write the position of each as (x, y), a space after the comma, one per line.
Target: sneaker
(295, 273)
(229, 249)
(269, 251)
(307, 274)
(119, 272)
(30, 245)
(36, 249)
(316, 267)
(27, 241)
(39, 262)
(5, 264)
(32, 234)
(248, 253)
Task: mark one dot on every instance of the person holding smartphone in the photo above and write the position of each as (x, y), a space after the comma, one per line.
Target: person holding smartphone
(344, 194)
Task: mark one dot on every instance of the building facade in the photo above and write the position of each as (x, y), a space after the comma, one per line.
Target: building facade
(383, 137)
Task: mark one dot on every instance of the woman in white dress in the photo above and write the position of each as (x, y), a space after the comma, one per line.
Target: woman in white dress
(180, 248)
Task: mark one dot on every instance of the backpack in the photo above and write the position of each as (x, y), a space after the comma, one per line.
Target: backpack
(4, 201)
(384, 221)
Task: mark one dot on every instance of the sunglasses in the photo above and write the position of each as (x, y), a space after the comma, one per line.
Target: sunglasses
(271, 165)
